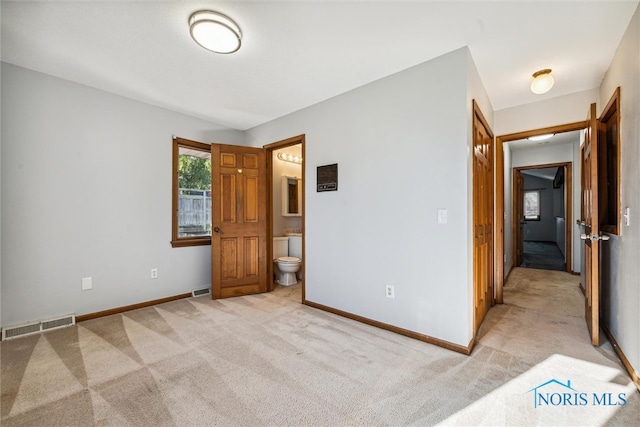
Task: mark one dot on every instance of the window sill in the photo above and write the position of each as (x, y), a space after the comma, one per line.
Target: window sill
(182, 243)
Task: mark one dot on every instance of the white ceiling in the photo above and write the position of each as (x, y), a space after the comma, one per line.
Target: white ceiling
(297, 53)
(544, 173)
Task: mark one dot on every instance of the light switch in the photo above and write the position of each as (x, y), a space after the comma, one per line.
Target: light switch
(627, 220)
(86, 283)
(442, 216)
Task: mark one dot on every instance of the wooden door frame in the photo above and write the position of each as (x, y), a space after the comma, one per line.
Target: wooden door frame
(517, 211)
(499, 188)
(478, 119)
(270, 148)
(568, 208)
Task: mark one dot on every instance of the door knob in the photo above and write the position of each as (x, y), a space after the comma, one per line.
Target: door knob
(594, 237)
(216, 229)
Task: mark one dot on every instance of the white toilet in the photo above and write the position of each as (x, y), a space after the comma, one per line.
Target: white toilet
(285, 266)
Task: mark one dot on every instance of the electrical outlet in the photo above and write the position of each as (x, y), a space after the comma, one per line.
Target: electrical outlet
(442, 216)
(154, 273)
(390, 292)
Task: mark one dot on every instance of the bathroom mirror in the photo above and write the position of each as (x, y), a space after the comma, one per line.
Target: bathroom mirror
(291, 196)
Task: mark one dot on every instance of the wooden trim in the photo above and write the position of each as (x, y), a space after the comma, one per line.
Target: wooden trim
(493, 268)
(609, 109)
(294, 140)
(407, 333)
(198, 241)
(499, 189)
(623, 358)
(568, 216)
(118, 310)
(569, 127)
(543, 166)
(270, 148)
(498, 167)
(515, 222)
(270, 280)
(499, 278)
(613, 107)
(478, 112)
(177, 242)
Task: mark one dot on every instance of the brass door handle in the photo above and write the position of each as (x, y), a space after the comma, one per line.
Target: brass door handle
(217, 229)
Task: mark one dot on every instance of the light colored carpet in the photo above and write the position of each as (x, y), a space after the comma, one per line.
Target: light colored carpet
(268, 360)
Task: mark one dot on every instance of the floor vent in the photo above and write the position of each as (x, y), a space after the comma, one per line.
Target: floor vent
(37, 327)
(199, 292)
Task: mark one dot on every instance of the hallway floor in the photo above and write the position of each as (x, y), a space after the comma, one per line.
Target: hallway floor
(542, 324)
(543, 256)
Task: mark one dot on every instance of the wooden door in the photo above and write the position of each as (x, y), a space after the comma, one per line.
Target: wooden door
(483, 265)
(591, 235)
(239, 221)
(518, 216)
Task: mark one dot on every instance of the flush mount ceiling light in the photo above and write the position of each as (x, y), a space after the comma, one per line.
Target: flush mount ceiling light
(541, 137)
(215, 32)
(542, 81)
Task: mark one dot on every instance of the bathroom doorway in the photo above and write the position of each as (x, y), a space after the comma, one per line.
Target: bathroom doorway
(286, 201)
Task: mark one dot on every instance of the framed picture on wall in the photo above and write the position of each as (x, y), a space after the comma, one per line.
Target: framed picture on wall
(327, 179)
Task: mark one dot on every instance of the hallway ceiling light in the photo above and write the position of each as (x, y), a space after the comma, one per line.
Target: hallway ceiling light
(215, 32)
(541, 137)
(542, 81)
(290, 158)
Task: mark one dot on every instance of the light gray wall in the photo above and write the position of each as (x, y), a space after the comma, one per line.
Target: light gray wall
(86, 191)
(622, 298)
(402, 154)
(280, 169)
(545, 229)
(550, 112)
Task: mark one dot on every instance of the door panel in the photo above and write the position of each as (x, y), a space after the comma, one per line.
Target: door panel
(251, 260)
(250, 199)
(589, 153)
(228, 198)
(483, 265)
(239, 219)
